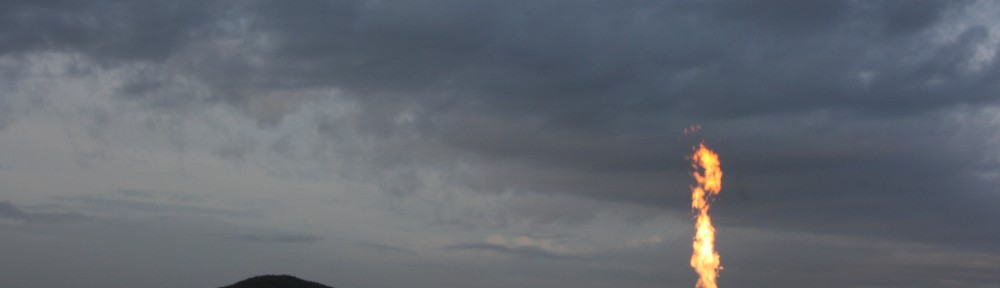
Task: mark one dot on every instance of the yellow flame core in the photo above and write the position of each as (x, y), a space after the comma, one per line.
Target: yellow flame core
(707, 173)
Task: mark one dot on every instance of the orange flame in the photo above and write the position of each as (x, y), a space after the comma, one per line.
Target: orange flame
(707, 173)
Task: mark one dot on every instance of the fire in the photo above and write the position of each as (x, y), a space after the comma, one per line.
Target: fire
(707, 173)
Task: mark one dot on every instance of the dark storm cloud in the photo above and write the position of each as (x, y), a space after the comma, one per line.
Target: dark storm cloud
(820, 106)
(890, 177)
(598, 64)
(590, 65)
(108, 30)
(836, 117)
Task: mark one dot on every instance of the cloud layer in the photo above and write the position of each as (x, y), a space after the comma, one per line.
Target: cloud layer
(513, 142)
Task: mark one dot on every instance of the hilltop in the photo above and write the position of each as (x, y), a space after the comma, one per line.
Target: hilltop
(276, 281)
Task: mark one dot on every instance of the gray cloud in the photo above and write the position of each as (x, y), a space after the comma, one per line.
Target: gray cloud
(851, 119)
(144, 202)
(279, 238)
(11, 212)
(545, 86)
(383, 248)
(15, 214)
(520, 251)
(109, 30)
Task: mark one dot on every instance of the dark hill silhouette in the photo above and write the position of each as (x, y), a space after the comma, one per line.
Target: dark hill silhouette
(276, 281)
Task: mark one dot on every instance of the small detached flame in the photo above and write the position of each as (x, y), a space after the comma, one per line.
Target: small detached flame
(708, 174)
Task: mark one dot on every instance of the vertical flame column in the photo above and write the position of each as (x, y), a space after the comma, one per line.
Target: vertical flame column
(708, 175)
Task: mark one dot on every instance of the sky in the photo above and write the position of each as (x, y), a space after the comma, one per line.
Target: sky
(497, 143)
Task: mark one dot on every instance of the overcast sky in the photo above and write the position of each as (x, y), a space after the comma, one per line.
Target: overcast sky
(497, 144)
